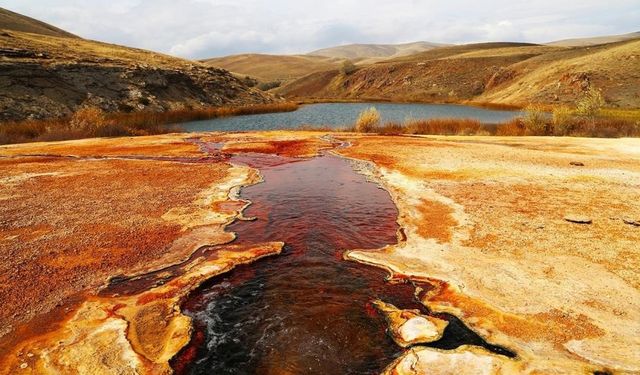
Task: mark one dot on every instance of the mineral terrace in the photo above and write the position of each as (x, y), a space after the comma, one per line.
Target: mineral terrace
(532, 242)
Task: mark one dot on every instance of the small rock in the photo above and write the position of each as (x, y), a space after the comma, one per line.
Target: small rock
(577, 164)
(24, 365)
(409, 327)
(630, 221)
(578, 219)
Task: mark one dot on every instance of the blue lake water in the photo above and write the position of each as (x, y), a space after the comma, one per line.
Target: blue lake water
(344, 114)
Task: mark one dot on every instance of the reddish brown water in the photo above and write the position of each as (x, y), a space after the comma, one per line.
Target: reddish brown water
(306, 311)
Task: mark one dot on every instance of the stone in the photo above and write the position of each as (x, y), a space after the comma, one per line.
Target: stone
(630, 221)
(409, 327)
(578, 219)
(577, 163)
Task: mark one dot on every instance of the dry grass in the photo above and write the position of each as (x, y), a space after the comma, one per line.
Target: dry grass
(435, 126)
(368, 121)
(513, 127)
(577, 126)
(92, 122)
(444, 126)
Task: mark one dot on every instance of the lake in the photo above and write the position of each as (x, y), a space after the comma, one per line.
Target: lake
(344, 114)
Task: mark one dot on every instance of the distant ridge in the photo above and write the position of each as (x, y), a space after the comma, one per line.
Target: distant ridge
(13, 21)
(366, 51)
(582, 42)
(274, 67)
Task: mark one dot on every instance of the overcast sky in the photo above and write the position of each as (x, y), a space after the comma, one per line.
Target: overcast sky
(208, 28)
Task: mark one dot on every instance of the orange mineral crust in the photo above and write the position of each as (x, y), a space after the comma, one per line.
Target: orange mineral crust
(530, 241)
(68, 224)
(283, 143)
(512, 258)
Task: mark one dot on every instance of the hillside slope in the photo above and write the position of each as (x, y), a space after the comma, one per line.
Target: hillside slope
(365, 51)
(578, 42)
(501, 73)
(45, 76)
(274, 67)
(13, 21)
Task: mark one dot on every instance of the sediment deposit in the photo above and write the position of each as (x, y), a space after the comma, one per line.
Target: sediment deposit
(484, 221)
(483, 224)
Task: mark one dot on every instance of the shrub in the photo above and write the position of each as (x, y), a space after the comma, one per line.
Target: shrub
(591, 103)
(562, 121)
(249, 81)
(392, 128)
(348, 67)
(444, 126)
(266, 86)
(513, 127)
(535, 120)
(88, 119)
(368, 120)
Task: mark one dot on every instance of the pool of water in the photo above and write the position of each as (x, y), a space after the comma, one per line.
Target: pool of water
(344, 114)
(306, 311)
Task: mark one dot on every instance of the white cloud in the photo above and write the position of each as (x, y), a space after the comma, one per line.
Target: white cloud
(204, 28)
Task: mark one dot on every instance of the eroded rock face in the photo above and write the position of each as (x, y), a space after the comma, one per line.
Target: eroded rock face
(63, 74)
(410, 327)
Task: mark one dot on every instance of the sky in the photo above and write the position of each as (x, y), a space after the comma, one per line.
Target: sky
(211, 28)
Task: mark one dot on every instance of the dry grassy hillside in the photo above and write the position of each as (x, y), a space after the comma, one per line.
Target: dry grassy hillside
(501, 73)
(14, 21)
(365, 51)
(577, 42)
(46, 76)
(274, 67)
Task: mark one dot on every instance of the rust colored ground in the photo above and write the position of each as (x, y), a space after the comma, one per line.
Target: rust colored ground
(555, 292)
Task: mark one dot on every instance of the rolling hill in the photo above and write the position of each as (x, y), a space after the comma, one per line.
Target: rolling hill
(499, 73)
(44, 76)
(13, 21)
(581, 42)
(356, 52)
(268, 68)
(288, 68)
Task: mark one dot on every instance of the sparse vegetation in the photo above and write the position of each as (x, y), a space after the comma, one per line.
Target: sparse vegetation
(568, 125)
(368, 121)
(92, 122)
